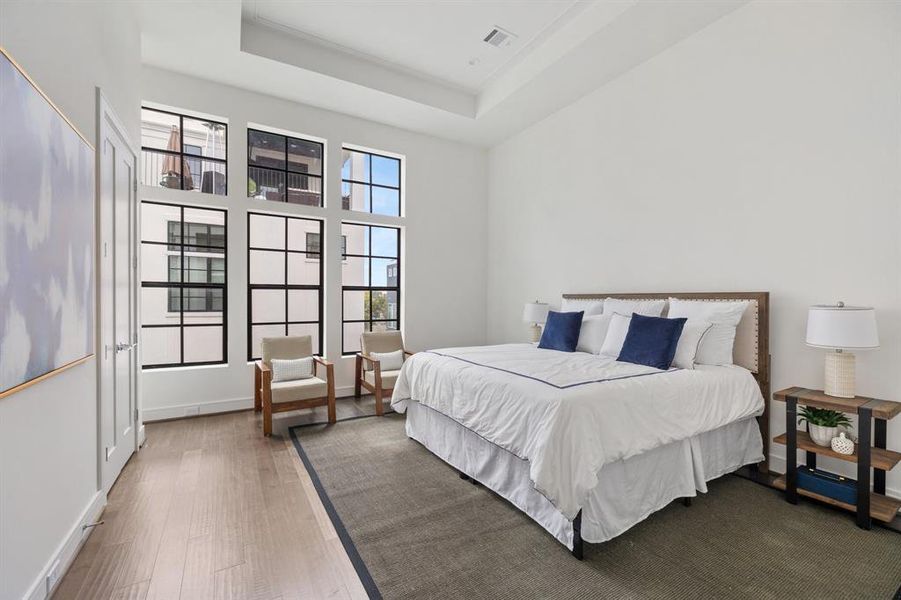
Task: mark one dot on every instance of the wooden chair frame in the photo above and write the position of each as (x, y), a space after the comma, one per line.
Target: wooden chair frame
(262, 393)
(376, 390)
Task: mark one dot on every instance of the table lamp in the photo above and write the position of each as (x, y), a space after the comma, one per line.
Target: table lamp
(841, 328)
(536, 314)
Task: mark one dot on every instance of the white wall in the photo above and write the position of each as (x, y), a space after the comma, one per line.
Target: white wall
(762, 153)
(48, 432)
(443, 273)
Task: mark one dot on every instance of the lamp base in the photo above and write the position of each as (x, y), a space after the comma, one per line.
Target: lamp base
(840, 374)
(535, 331)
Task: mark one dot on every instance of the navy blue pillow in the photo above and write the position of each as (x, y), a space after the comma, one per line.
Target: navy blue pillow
(651, 341)
(561, 331)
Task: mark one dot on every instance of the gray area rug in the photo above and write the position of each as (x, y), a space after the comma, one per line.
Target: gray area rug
(416, 530)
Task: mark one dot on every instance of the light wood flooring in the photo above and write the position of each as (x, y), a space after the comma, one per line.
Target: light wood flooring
(210, 509)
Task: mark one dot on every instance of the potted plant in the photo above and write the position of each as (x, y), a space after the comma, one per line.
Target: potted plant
(823, 423)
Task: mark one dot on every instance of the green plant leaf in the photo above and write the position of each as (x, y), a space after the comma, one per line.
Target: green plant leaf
(823, 417)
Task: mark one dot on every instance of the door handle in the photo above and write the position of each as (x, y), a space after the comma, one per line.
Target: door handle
(121, 346)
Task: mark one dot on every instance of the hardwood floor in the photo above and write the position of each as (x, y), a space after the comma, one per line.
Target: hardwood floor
(209, 508)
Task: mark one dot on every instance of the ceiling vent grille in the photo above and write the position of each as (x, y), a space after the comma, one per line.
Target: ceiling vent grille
(499, 38)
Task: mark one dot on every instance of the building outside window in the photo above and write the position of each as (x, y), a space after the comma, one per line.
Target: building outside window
(183, 288)
(284, 168)
(181, 152)
(370, 284)
(314, 243)
(370, 182)
(284, 275)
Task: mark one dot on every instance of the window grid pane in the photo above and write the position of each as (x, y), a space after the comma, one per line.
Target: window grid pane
(370, 182)
(370, 282)
(284, 284)
(183, 318)
(283, 168)
(183, 153)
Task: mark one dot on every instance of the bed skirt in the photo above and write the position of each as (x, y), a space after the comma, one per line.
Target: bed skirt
(628, 491)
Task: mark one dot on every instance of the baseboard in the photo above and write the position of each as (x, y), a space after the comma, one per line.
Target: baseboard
(212, 407)
(777, 464)
(62, 559)
(199, 408)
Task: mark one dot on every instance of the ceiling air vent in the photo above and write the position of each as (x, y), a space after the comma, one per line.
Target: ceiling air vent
(500, 38)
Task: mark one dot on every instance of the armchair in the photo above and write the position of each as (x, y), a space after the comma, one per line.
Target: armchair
(283, 396)
(369, 374)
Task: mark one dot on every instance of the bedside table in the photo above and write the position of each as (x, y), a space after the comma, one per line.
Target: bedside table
(870, 505)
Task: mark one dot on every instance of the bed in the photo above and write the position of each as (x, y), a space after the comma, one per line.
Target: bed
(585, 445)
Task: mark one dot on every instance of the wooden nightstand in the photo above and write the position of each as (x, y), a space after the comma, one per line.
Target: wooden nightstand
(875, 504)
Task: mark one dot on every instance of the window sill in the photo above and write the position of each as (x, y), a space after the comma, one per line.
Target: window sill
(183, 368)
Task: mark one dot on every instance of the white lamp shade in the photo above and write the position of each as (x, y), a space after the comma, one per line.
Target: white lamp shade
(535, 312)
(842, 327)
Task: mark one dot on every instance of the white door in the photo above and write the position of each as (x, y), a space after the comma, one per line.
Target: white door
(117, 293)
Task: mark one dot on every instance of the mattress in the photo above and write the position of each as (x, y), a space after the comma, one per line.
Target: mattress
(567, 415)
(628, 490)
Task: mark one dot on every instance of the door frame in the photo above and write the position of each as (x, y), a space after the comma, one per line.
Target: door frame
(106, 117)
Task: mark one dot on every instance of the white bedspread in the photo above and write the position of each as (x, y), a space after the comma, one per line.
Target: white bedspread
(569, 414)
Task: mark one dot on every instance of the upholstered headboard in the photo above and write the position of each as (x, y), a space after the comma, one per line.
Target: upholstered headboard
(752, 337)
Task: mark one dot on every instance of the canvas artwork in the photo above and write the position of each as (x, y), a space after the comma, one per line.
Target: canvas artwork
(46, 235)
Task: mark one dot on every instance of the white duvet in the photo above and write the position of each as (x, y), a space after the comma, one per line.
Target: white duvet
(569, 414)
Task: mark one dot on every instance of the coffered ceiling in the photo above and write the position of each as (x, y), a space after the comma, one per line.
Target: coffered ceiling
(421, 64)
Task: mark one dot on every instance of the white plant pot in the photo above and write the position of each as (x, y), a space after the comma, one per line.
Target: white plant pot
(822, 436)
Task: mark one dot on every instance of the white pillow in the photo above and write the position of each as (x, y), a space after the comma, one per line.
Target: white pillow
(647, 308)
(389, 361)
(687, 348)
(592, 333)
(716, 346)
(291, 369)
(616, 335)
(589, 307)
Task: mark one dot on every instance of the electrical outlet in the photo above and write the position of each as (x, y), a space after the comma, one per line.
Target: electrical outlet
(52, 576)
(192, 411)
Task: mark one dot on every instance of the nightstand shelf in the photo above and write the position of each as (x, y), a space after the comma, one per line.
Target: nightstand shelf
(881, 409)
(882, 508)
(879, 458)
(869, 453)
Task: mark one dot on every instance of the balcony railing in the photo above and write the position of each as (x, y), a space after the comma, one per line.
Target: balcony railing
(268, 184)
(177, 172)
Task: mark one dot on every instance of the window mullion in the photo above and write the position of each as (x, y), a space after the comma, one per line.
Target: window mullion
(181, 156)
(181, 290)
(285, 251)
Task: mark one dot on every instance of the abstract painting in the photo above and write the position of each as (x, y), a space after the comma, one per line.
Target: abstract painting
(46, 235)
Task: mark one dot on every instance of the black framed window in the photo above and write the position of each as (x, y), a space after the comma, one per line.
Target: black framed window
(284, 168)
(370, 282)
(370, 182)
(181, 152)
(183, 285)
(284, 291)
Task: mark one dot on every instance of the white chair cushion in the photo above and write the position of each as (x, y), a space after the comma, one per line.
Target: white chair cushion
(389, 361)
(302, 389)
(291, 369)
(388, 378)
